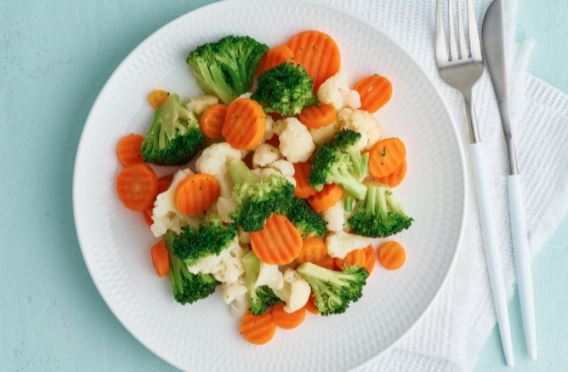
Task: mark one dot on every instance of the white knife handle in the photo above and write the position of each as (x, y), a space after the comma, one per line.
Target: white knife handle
(491, 247)
(522, 262)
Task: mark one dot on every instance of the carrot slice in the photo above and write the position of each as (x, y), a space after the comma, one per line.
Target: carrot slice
(244, 125)
(160, 258)
(274, 57)
(287, 320)
(318, 116)
(392, 255)
(375, 91)
(136, 187)
(386, 156)
(278, 243)
(314, 250)
(128, 149)
(212, 120)
(157, 97)
(311, 306)
(395, 178)
(164, 183)
(303, 188)
(196, 193)
(326, 198)
(317, 53)
(364, 257)
(258, 329)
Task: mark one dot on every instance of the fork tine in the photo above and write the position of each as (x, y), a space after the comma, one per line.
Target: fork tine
(474, 43)
(453, 46)
(441, 50)
(461, 32)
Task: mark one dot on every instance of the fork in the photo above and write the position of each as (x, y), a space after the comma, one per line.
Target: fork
(461, 68)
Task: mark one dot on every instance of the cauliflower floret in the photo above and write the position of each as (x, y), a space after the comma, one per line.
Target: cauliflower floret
(226, 267)
(245, 95)
(362, 122)
(268, 132)
(285, 167)
(324, 134)
(199, 104)
(235, 295)
(335, 91)
(165, 214)
(295, 292)
(265, 154)
(335, 217)
(340, 244)
(213, 161)
(269, 275)
(225, 206)
(295, 141)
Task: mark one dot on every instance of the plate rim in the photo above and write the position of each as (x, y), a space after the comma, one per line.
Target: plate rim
(80, 154)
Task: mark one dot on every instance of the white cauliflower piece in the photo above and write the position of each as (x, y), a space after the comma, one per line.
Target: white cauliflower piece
(282, 168)
(265, 154)
(270, 276)
(235, 295)
(268, 132)
(199, 104)
(362, 122)
(335, 91)
(334, 217)
(225, 206)
(213, 161)
(295, 292)
(296, 143)
(165, 214)
(278, 126)
(226, 267)
(245, 95)
(324, 134)
(340, 244)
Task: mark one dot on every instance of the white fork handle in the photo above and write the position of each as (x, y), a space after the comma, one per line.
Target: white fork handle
(522, 262)
(490, 244)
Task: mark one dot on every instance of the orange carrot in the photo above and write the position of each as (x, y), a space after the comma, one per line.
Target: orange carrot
(326, 198)
(278, 243)
(317, 53)
(245, 124)
(375, 91)
(287, 320)
(274, 57)
(395, 178)
(157, 97)
(386, 156)
(392, 255)
(318, 116)
(303, 188)
(160, 258)
(196, 193)
(164, 183)
(371, 254)
(147, 215)
(128, 149)
(314, 250)
(364, 257)
(212, 120)
(258, 329)
(136, 186)
(311, 306)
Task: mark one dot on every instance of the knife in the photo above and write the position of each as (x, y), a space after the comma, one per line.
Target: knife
(494, 43)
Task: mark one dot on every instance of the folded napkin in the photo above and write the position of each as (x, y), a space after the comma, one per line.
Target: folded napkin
(450, 336)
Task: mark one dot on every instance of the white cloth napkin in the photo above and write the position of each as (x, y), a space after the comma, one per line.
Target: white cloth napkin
(450, 336)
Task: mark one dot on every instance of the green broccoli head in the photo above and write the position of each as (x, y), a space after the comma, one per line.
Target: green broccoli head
(333, 291)
(306, 220)
(226, 68)
(174, 137)
(339, 162)
(380, 214)
(285, 89)
(259, 298)
(257, 197)
(211, 238)
(186, 287)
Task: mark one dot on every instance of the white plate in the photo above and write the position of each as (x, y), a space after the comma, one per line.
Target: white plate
(204, 336)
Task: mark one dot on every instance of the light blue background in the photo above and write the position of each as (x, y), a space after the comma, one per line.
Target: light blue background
(54, 59)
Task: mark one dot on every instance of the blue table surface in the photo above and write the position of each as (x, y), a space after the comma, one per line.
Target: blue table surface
(54, 59)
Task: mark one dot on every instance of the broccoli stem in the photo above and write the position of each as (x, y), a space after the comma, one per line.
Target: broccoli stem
(240, 173)
(349, 183)
(348, 204)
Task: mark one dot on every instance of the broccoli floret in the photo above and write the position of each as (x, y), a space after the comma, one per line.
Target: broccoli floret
(257, 197)
(380, 214)
(211, 238)
(334, 290)
(186, 287)
(226, 68)
(306, 220)
(285, 89)
(259, 298)
(338, 161)
(174, 137)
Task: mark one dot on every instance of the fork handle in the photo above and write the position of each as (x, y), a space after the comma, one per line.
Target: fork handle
(491, 248)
